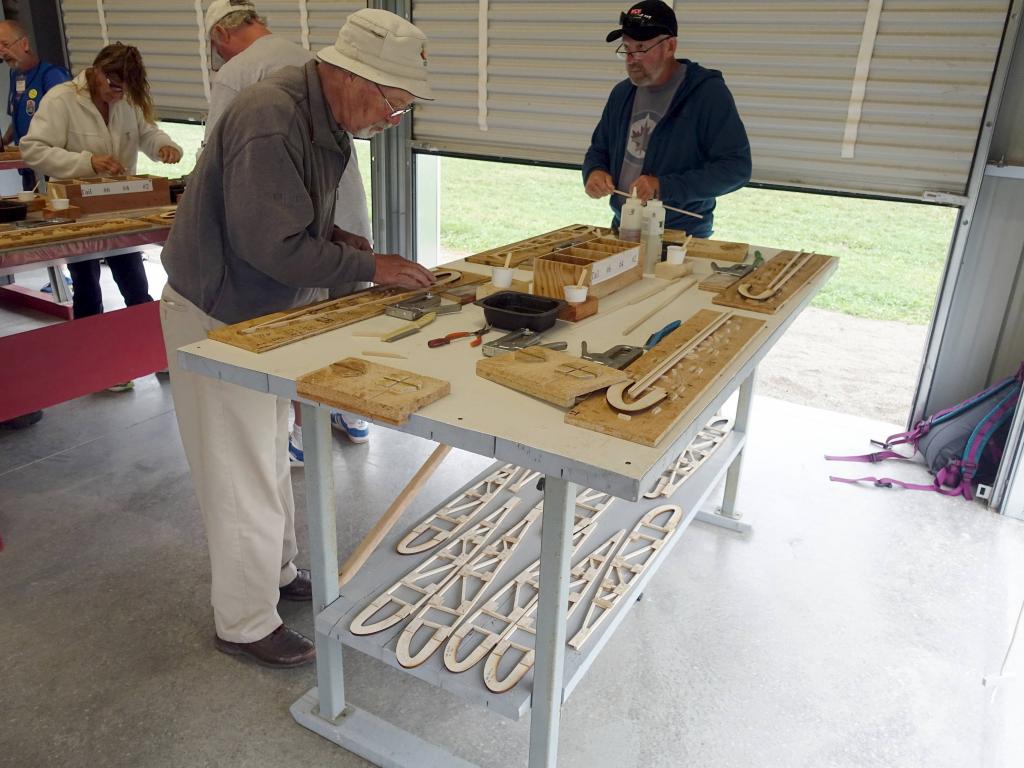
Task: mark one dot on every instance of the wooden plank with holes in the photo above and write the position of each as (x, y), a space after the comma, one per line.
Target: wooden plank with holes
(379, 391)
(552, 376)
(761, 277)
(277, 329)
(24, 238)
(522, 253)
(685, 382)
(705, 248)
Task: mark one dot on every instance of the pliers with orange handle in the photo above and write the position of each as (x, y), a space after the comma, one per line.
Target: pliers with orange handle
(444, 340)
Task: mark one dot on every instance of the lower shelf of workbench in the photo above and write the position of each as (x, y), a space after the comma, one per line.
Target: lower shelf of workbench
(386, 567)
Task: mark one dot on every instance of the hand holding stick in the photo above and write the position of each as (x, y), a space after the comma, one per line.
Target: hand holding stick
(667, 207)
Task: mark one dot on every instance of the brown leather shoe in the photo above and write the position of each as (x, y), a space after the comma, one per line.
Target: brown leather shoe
(281, 649)
(301, 588)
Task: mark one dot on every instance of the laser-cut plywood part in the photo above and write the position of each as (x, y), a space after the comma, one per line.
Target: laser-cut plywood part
(522, 253)
(634, 556)
(703, 248)
(548, 374)
(513, 655)
(479, 634)
(378, 391)
(696, 453)
(683, 383)
(761, 279)
(450, 520)
(405, 597)
(445, 609)
(267, 332)
(25, 238)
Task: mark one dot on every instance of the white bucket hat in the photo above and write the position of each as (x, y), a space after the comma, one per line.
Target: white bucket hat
(383, 48)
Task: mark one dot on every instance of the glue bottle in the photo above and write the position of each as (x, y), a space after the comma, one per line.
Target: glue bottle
(630, 219)
(653, 223)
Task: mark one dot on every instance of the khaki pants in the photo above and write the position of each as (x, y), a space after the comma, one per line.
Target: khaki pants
(236, 444)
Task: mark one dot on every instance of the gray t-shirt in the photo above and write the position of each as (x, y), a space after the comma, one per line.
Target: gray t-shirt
(649, 107)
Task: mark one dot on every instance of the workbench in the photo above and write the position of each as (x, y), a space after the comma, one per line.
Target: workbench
(55, 363)
(487, 419)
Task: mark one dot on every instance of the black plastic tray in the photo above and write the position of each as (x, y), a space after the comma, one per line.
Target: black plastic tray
(512, 310)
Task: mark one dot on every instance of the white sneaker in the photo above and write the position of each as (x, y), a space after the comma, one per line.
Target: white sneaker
(296, 456)
(356, 430)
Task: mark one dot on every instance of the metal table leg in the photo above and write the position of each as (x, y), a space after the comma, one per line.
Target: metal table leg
(57, 284)
(555, 561)
(323, 552)
(727, 516)
(323, 709)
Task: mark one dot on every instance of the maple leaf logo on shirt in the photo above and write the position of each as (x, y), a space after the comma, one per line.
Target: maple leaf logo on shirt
(639, 134)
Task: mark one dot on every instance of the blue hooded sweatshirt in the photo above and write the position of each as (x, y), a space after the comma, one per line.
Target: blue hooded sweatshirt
(699, 149)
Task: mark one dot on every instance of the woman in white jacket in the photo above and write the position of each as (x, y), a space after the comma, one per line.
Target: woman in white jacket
(95, 125)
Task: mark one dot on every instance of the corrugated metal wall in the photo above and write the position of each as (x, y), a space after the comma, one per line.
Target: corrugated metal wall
(168, 33)
(790, 66)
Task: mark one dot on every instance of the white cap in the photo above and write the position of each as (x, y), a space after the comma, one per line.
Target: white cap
(384, 48)
(220, 8)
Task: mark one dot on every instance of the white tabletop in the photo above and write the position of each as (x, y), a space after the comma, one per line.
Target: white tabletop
(491, 420)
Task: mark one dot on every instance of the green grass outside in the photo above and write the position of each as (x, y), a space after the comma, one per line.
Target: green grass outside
(891, 254)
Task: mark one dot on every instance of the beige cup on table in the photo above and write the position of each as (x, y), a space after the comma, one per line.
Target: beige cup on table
(59, 203)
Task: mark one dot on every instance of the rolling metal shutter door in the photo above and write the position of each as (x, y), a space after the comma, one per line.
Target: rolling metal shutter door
(168, 33)
(790, 66)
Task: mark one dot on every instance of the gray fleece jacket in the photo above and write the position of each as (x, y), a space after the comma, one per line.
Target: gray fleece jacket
(252, 232)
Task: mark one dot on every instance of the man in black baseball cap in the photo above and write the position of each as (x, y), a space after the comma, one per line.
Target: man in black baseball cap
(670, 130)
(646, 20)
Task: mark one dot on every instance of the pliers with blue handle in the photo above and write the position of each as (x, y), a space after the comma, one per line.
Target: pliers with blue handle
(657, 336)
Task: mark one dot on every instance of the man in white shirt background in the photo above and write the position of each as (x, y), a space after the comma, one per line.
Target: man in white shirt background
(244, 51)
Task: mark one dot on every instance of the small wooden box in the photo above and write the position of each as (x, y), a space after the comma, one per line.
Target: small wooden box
(103, 194)
(610, 264)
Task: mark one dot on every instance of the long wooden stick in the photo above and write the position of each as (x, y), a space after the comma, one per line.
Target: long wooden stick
(388, 519)
(667, 207)
(686, 285)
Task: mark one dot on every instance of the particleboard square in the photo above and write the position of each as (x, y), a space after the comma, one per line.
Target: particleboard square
(548, 374)
(685, 382)
(369, 389)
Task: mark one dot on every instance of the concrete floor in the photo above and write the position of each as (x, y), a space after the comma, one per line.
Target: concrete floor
(852, 628)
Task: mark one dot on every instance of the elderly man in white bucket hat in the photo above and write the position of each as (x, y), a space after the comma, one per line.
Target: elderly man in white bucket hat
(254, 234)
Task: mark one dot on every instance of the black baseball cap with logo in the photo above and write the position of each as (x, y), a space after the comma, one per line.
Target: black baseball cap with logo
(646, 20)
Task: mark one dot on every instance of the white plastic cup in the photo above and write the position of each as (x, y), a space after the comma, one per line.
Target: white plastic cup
(60, 203)
(501, 277)
(676, 254)
(575, 294)
(26, 196)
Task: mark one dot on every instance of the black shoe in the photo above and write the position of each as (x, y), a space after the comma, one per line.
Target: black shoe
(301, 589)
(281, 649)
(20, 422)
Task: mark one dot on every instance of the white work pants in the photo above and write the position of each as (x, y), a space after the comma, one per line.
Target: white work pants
(236, 444)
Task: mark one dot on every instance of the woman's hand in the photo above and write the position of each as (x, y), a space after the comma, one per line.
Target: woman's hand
(169, 154)
(107, 164)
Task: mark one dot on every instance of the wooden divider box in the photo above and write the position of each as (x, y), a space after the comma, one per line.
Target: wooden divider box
(102, 194)
(610, 265)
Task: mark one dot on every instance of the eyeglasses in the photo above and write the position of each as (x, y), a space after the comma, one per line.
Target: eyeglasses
(8, 44)
(638, 53)
(394, 112)
(114, 85)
